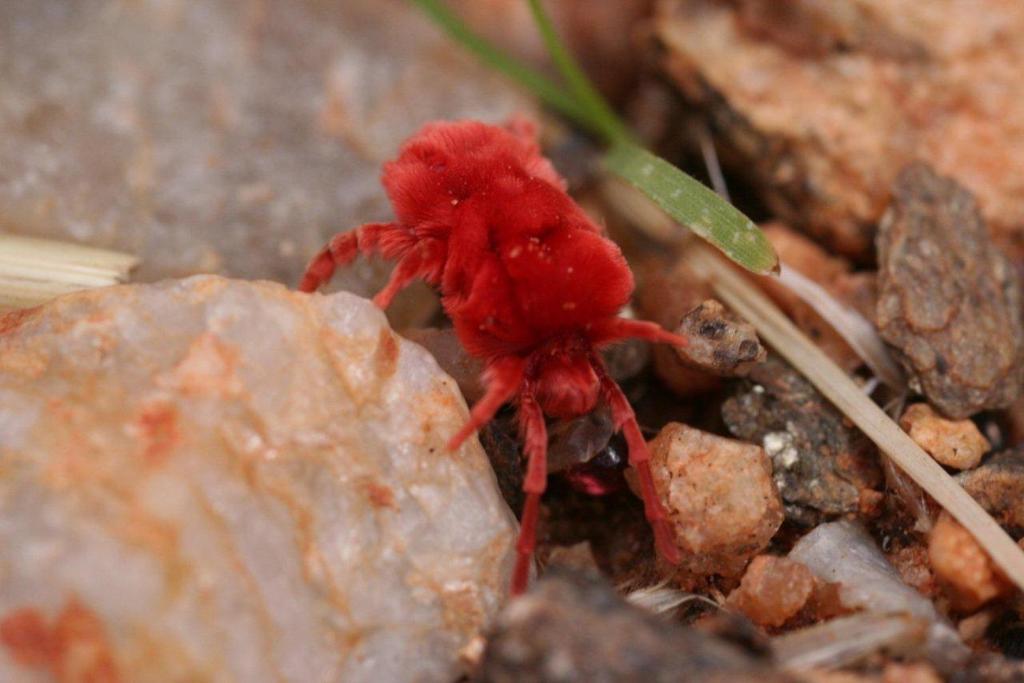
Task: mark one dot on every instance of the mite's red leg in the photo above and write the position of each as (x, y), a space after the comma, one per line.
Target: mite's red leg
(403, 274)
(502, 378)
(340, 251)
(425, 260)
(623, 328)
(390, 239)
(535, 446)
(625, 419)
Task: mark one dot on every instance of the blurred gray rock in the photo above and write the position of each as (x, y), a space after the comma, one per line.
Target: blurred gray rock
(574, 627)
(218, 480)
(219, 136)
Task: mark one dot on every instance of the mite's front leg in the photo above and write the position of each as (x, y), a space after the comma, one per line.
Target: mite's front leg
(390, 239)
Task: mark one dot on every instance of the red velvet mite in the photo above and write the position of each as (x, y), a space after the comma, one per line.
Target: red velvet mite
(529, 281)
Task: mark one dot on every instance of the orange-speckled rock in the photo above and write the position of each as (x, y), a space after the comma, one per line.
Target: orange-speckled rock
(773, 590)
(210, 479)
(969, 574)
(953, 443)
(719, 495)
(822, 103)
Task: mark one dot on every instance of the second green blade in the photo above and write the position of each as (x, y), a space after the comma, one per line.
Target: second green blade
(695, 206)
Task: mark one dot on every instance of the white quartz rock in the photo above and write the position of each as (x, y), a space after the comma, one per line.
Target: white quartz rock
(843, 552)
(218, 480)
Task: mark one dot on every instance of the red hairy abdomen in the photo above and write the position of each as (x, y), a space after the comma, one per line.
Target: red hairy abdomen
(524, 263)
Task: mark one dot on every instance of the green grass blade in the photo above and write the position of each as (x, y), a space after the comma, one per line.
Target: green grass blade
(549, 92)
(682, 197)
(598, 109)
(695, 206)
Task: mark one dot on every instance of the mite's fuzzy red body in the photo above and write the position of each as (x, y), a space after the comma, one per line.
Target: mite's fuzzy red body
(529, 281)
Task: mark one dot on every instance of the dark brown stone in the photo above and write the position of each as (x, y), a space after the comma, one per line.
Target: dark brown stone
(823, 466)
(720, 342)
(998, 485)
(949, 301)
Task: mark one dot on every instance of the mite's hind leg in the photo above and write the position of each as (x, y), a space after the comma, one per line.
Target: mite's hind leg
(624, 418)
(535, 446)
(390, 239)
(502, 378)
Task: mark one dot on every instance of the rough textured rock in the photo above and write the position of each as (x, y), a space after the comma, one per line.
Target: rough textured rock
(953, 443)
(823, 102)
(719, 342)
(823, 466)
(773, 590)
(963, 566)
(998, 485)
(949, 301)
(573, 627)
(211, 479)
(223, 136)
(909, 556)
(719, 496)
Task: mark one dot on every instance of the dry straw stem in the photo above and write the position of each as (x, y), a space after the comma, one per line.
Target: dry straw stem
(33, 271)
(746, 300)
(846, 640)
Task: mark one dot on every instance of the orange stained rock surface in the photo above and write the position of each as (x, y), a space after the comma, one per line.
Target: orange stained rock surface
(12, 320)
(209, 367)
(960, 564)
(218, 495)
(73, 648)
(824, 102)
(773, 590)
(720, 497)
(777, 590)
(953, 443)
(157, 428)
